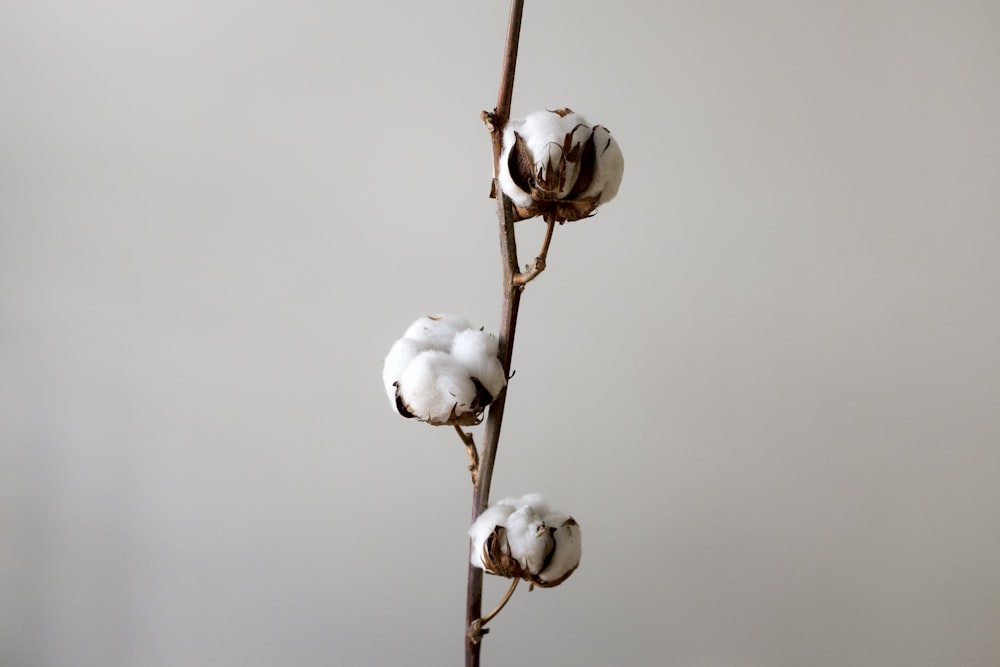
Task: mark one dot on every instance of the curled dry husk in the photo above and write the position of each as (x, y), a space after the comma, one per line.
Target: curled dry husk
(497, 559)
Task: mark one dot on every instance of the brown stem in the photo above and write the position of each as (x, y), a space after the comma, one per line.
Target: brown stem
(494, 418)
(476, 631)
(502, 111)
(508, 323)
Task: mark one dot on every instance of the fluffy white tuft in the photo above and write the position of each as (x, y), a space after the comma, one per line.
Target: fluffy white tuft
(541, 129)
(534, 500)
(436, 332)
(434, 386)
(529, 539)
(402, 352)
(477, 351)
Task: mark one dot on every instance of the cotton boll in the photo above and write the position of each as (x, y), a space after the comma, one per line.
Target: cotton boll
(541, 156)
(529, 539)
(568, 549)
(477, 351)
(402, 352)
(434, 387)
(554, 164)
(520, 537)
(483, 527)
(437, 331)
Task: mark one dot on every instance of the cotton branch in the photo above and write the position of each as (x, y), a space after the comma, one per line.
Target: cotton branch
(508, 323)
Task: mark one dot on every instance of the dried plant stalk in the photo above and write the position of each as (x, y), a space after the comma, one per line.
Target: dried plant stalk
(508, 323)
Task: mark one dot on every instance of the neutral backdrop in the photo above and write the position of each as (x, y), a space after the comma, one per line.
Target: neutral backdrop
(765, 379)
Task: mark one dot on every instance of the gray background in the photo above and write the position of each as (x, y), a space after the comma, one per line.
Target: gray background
(766, 379)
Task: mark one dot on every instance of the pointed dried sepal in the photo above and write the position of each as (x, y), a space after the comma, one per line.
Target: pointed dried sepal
(496, 557)
(556, 165)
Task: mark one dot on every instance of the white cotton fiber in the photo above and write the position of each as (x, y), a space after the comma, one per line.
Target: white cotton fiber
(530, 541)
(434, 385)
(568, 547)
(477, 351)
(541, 129)
(534, 500)
(437, 331)
(402, 352)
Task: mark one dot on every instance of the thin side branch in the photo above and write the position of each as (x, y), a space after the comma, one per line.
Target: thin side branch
(531, 272)
(470, 446)
(503, 602)
(476, 630)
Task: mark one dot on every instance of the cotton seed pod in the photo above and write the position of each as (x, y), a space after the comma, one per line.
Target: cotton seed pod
(555, 164)
(512, 539)
(443, 372)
